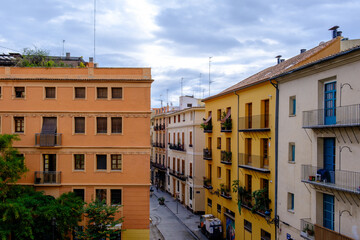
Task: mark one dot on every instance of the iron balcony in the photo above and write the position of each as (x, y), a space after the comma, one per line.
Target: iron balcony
(345, 116)
(207, 154)
(255, 123)
(254, 162)
(48, 139)
(338, 180)
(226, 157)
(47, 177)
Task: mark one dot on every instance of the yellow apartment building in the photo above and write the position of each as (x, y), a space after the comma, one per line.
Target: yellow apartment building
(84, 130)
(242, 155)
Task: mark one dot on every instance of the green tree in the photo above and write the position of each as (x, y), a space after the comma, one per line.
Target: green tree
(26, 213)
(12, 164)
(101, 221)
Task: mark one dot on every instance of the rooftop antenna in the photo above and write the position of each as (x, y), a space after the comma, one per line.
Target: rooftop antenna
(94, 27)
(63, 52)
(167, 97)
(200, 85)
(181, 82)
(209, 74)
(161, 100)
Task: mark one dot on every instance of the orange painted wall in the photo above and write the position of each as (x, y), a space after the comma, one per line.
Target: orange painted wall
(133, 143)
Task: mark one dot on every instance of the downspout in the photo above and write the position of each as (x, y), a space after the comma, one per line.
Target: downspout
(194, 159)
(275, 85)
(237, 141)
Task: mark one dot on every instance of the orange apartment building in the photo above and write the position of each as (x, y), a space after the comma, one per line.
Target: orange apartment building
(84, 130)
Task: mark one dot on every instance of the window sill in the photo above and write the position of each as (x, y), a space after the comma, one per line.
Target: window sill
(79, 133)
(117, 133)
(79, 170)
(291, 211)
(292, 115)
(115, 170)
(291, 162)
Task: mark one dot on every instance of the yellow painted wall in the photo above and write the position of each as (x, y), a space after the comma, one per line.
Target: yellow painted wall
(136, 234)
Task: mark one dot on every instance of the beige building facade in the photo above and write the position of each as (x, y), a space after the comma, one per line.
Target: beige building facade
(319, 148)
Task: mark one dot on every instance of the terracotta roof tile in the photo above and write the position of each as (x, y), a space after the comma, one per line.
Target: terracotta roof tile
(272, 71)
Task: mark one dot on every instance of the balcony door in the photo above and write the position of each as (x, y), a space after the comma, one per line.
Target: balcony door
(49, 168)
(328, 211)
(48, 132)
(330, 103)
(329, 158)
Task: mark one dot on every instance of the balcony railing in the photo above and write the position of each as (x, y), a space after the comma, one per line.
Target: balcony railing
(207, 127)
(346, 116)
(225, 193)
(254, 162)
(254, 123)
(180, 175)
(178, 147)
(227, 125)
(207, 183)
(48, 139)
(156, 127)
(226, 157)
(207, 154)
(339, 180)
(49, 177)
(159, 166)
(307, 229)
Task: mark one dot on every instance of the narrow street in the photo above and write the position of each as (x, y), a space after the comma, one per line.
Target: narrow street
(172, 221)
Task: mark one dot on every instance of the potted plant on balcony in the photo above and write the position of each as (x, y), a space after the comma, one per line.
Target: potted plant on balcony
(227, 124)
(261, 200)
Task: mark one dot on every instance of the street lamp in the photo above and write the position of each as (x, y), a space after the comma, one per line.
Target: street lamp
(268, 219)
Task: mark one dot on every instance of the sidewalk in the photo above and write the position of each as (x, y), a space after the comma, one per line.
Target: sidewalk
(190, 220)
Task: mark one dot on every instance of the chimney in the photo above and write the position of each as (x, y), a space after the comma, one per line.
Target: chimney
(334, 31)
(91, 62)
(278, 59)
(67, 55)
(302, 50)
(339, 33)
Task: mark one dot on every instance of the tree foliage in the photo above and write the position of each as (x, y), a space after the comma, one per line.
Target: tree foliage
(101, 221)
(26, 213)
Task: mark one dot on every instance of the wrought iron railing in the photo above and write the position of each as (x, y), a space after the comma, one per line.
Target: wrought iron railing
(207, 154)
(342, 116)
(177, 174)
(48, 139)
(226, 157)
(207, 127)
(253, 161)
(255, 123)
(178, 147)
(339, 179)
(227, 125)
(207, 183)
(159, 166)
(47, 177)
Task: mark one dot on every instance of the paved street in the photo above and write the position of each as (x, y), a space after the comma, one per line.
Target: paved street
(171, 222)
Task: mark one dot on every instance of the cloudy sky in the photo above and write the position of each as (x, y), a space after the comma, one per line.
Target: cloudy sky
(176, 38)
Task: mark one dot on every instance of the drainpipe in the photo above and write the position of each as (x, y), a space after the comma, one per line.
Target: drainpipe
(275, 85)
(237, 140)
(194, 151)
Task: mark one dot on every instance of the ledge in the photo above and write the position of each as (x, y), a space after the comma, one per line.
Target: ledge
(262, 170)
(255, 130)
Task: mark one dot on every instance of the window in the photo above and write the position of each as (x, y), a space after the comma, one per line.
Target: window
(116, 93)
(169, 120)
(19, 92)
(101, 162)
(183, 117)
(248, 183)
(102, 92)
(190, 139)
(265, 235)
(79, 160)
(292, 106)
(0, 93)
(219, 143)
(265, 112)
(191, 116)
(228, 144)
(190, 193)
(209, 202)
(174, 119)
(292, 152)
(247, 225)
(190, 170)
(218, 208)
(19, 124)
(116, 196)
(79, 124)
(219, 172)
(265, 151)
(116, 162)
(101, 194)
(101, 124)
(178, 185)
(219, 114)
(116, 125)
(50, 92)
(290, 202)
(80, 193)
(189, 105)
(80, 92)
(248, 108)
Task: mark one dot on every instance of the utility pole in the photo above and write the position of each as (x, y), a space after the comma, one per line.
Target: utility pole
(209, 74)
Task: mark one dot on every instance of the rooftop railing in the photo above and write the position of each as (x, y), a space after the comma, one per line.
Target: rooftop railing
(254, 123)
(47, 177)
(341, 180)
(48, 139)
(345, 116)
(254, 162)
